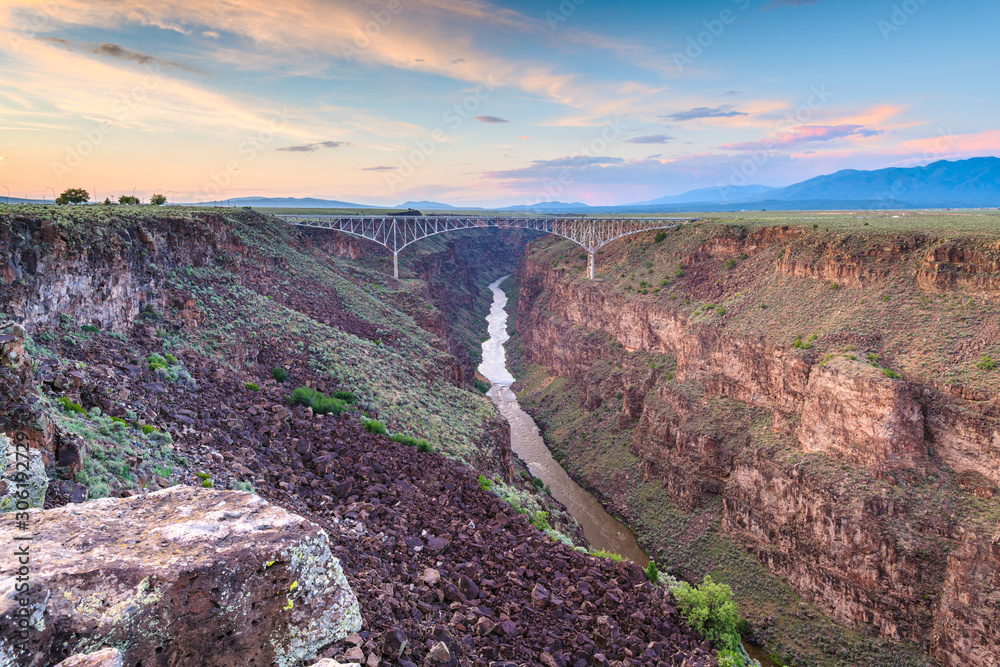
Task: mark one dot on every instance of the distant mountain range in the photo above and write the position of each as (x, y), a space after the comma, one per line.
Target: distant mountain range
(971, 183)
(284, 202)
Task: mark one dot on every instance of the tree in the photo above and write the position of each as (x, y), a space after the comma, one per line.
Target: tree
(711, 611)
(74, 196)
(158, 200)
(128, 200)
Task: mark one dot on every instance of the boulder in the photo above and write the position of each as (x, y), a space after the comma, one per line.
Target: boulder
(181, 576)
(106, 657)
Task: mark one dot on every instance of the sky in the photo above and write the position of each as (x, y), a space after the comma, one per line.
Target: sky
(484, 103)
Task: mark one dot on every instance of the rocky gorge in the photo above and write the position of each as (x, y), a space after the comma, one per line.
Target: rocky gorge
(194, 513)
(816, 400)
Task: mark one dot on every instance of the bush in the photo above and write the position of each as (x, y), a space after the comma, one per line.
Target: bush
(424, 446)
(679, 273)
(481, 387)
(279, 374)
(484, 483)
(730, 659)
(730, 264)
(652, 573)
(70, 406)
(252, 386)
(374, 426)
(89, 328)
(986, 363)
(711, 611)
(889, 373)
(345, 396)
(320, 404)
(601, 553)
(540, 520)
(207, 484)
(147, 429)
(660, 236)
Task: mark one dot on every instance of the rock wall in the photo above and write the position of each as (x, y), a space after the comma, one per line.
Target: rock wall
(863, 556)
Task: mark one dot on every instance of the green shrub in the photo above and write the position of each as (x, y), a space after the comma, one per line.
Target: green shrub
(171, 359)
(89, 328)
(374, 426)
(729, 658)
(539, 484)
(744, 256)
(70, 406)
(279, 374)
(148, 428)
(481, 387)
(485, 483)
(730, 264)
(652, 573)
(156, 361)
(202, 475)
(404, 439)
(424, 446)
(986, 363)
(601, 553)
(711, 611)
(345, 396)
(889, 373)
(540, 520)
(252, 386)
(660, 236)
(207, 484)
(679, 273)
(320, 404)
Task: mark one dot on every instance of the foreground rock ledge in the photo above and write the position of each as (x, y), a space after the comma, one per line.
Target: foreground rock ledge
(183, 576)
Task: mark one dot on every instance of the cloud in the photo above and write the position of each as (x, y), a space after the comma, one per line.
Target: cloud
(116, 51)
(456, 61)
(491, 119)
(211, 34)
(379, 168)
(731, 93)
(724, 111)
(651, 139)
(312, 148)
(804, 134)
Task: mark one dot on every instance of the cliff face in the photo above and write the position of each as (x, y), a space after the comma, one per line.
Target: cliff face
(854, 483)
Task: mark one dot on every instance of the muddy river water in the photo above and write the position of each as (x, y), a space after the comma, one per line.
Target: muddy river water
(602, 530)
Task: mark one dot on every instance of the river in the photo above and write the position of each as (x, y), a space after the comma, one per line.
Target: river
(602, 530)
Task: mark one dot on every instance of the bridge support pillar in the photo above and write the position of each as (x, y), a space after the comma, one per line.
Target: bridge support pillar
(395, 265)
(590, 264)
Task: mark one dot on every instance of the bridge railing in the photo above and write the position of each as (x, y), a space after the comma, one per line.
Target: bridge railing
(396, 232)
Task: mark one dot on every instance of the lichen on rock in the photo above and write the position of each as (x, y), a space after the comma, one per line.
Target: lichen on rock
(27, 482)
(181, 576)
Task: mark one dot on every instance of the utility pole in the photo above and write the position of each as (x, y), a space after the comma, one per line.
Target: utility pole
(53, 193)
(8, 194)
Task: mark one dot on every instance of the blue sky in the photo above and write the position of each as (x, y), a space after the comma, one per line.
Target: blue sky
(484, 103)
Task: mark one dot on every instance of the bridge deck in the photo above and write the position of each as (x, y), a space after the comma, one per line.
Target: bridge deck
(397, 232)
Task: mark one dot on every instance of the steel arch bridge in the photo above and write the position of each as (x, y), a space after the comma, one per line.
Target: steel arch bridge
(395, 233)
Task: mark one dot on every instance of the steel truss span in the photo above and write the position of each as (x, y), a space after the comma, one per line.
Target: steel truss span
(395, 233)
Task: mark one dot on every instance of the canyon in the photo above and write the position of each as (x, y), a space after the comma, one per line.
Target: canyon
(764, 389)
(150, 362)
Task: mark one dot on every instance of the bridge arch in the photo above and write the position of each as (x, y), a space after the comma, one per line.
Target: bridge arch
(396, 232)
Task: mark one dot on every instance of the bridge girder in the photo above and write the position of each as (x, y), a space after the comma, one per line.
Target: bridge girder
(395, 233)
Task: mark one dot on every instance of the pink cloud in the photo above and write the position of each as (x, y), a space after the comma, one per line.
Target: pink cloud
(958, 144)
(804, 134)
